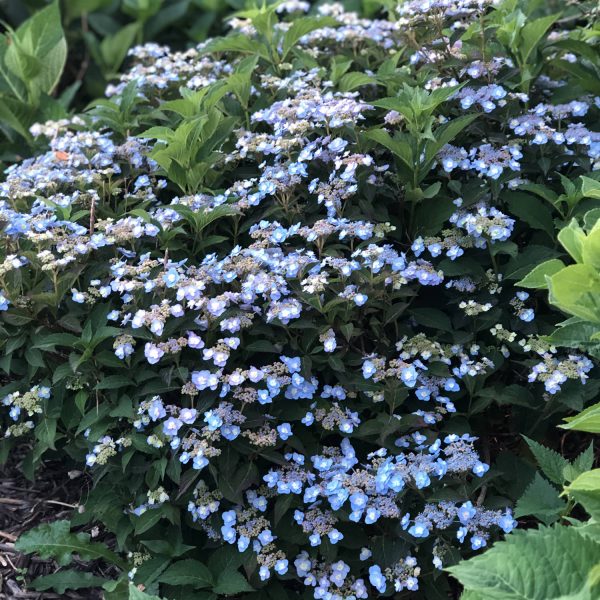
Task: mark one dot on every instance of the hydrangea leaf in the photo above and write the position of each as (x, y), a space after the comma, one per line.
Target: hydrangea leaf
(550, 461)
(540, 500)
(188, 572)
(544, 564)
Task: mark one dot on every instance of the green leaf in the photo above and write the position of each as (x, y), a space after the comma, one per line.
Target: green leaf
(590, 188)
(576, 290)
(585, 460)
(573, 335)
(550, 461)
(137, 594)
(532, 34)
(38, 52)
(300, 28)
(351, 81)
(588, 420)
(225, 558)
(549, 563)
(532, 211)
(398, 145)
(432, 317)
(113, 382)
(57, 339)
(586, 490)
(591, 249)
(67, 580)
(113, 48)
(230, 583)
(188, 572)
(536, 279)
(55, 540)
(444, 134)
(540, 500)
(572, 238)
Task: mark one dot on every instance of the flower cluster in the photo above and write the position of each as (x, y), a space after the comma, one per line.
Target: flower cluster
(285, 337)
(22, 407)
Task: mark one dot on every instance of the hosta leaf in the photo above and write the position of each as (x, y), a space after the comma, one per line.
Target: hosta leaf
(544, 564)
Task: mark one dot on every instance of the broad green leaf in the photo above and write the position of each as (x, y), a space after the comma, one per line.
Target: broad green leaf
(590, 218)
(136, 594)
(591, 249)
(444, 134)
(432, 317)
(549, 563)
(572, 237)
(588, 420)
(590, 188)
(113, 48)
(540, 500)
(55, 540)
(230, 583)
(38, 52)
(550, 461)
(586, 490)
(67, 580)
(536, 278)
(399, 146)
(532, 211)
(300, 28)
(576, 290)
(351, 81)
(533, 33)
(187, 572)
(574, 335)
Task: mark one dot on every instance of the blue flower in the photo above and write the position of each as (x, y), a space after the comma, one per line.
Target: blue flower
(419, 530)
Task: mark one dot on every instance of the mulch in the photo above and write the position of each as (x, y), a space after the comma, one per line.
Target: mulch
(23, 505)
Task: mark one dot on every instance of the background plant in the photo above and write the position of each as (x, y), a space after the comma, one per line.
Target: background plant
(270, 292)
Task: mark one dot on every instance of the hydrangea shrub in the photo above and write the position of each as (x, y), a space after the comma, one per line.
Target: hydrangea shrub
(267, 294)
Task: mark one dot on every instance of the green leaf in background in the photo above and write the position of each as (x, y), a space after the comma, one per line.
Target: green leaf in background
(531, 210)
(136, 594)
(590, 188)
(67, 580)
(55, 540)
(540, 500)
(572, 237)
(230, 583)
(591, 248)
(533, 32)
(550, 461)
(549, 563)
(576, 290)
(588, 420)
(586, 490)
(38, 52)
(536, 279)
(188, 572)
